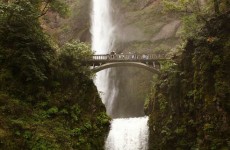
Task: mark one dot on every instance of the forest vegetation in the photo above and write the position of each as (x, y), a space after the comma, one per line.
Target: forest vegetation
(190, 103)
(47, 99)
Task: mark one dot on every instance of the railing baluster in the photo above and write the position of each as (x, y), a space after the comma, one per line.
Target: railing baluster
(122, 57)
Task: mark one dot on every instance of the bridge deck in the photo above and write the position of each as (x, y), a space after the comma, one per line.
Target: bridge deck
(97, 60)
(128, 56)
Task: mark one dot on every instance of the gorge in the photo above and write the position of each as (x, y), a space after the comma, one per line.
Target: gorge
(49, 100)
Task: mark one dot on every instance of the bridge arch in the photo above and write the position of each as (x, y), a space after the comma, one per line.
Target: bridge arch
(121, 64)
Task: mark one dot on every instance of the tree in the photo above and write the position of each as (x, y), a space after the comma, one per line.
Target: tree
(216, 6)
(26, 51)
(195, 12)
(198, 6)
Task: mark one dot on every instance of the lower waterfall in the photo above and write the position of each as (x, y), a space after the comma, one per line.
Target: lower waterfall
(128, 134)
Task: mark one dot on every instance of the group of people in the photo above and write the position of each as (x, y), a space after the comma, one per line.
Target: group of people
(114, 55)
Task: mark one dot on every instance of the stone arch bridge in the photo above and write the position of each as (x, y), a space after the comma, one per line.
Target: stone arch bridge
(149, 62)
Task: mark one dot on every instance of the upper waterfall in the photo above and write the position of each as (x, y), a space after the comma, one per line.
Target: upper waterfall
(102, 30)
(102, 27)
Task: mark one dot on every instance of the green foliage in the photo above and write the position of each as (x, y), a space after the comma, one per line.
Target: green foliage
(194, 13)
(162, 103)
(75, 51)
(167, 65)
(26, 50)
(75, 112)
(61, 7)
(103, 118)
(207, 126)
(179, 5)
(72, 53)
(191, 26)
(195, 6)
(52, 110)
(190, 105)
(47, 99)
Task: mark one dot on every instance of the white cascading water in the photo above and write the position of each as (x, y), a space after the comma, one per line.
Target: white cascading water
(102, 43)
(128, 134)
(125, 134)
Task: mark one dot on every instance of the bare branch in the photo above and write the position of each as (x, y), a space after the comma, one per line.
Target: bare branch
(45, 9)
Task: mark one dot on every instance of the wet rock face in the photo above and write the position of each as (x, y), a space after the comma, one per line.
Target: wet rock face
(129, 101)
(132, 5)
(167, 31)
(74, 27)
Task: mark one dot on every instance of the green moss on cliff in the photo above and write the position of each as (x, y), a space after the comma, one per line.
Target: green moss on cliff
(190, 107)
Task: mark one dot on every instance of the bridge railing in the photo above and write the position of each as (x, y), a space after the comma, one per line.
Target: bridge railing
(127, 57)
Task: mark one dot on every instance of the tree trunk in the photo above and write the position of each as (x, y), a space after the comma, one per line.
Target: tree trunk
(216, 6)
(227, 4)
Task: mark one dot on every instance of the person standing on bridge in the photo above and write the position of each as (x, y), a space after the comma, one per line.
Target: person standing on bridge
(135, 55)
(112, 54)
(143, 56)
(108, 56)
(130, 55)
(122, 56)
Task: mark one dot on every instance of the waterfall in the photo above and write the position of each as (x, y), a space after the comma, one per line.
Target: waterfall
(102, 31)
(125, 134)
(128, 134)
